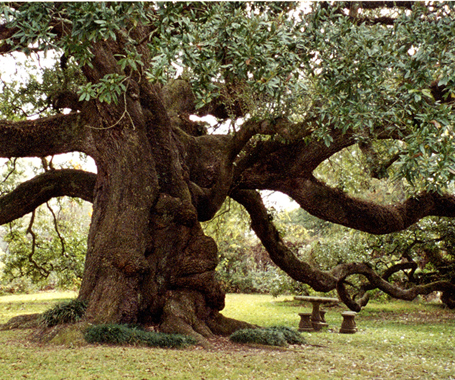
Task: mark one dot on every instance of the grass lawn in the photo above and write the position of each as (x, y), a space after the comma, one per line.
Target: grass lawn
(396, 340)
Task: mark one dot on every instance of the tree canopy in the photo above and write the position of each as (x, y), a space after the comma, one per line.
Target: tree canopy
(290, 87)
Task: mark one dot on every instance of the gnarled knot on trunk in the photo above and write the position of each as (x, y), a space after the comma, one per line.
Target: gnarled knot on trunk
(173, 209)
(129, 262)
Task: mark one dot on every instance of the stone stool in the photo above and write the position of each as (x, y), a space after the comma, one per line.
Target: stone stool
(305, 322)
(348, 325)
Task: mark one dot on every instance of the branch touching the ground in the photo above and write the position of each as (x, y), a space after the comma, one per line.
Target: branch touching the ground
(55, 183)
(378, 282)
(281, 255)
(285, 259)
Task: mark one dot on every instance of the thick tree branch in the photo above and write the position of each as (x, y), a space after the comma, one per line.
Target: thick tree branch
(336, 206)
(209, 171)
(55, 183)
(281, 255)
(265, 164)
(288, 131)
(319, 280)
(43, 137)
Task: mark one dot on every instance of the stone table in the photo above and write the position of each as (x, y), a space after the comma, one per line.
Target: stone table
(317, 318)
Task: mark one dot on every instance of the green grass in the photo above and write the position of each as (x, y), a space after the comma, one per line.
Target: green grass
(13, 305)
(396, 340)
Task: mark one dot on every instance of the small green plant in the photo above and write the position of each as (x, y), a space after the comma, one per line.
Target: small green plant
(292, 336)
(272, 336)
(134, 335)
(65, 312)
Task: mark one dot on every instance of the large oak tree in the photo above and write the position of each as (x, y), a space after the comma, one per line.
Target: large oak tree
(291, 87)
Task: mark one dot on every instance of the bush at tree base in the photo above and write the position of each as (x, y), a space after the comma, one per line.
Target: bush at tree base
(272, 336)
(65, 312)
(135, 335)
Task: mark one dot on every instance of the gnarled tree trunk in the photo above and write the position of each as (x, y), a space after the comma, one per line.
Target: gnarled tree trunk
(148, 260)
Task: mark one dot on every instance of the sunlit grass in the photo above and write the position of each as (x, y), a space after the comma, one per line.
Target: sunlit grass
(396, 340)
(12, 305)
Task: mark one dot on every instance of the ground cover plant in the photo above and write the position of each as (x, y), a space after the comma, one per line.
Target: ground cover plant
(65, 312)
(135, 335)
(405, 340)
(273, 336)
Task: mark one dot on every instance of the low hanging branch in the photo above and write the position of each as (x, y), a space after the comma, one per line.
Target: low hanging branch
(377, 282)
(285, 259)
(281, 255)
(55, 183)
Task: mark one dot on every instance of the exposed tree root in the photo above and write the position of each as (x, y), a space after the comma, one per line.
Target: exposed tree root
(186, 312)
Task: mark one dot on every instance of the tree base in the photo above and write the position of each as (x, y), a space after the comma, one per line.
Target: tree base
(186, 312)
(69, 335)
(182, 315)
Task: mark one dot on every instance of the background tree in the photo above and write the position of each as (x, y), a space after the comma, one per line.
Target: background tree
(46, 248)
(294, 87)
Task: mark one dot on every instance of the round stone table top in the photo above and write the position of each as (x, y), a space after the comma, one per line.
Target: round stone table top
(316, 299)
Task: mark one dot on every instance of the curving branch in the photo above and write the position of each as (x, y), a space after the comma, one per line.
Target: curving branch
(336, 206)
(41, 269)
(282, 127)
(378, 282)
(55, 183)
(266, 164)
(57, 229)
(281, 255)
(43, 137)
(319, 280)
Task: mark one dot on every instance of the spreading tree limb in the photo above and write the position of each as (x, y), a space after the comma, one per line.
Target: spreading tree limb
(55, 183)
(43, 137)
(336, 206)
(284, 258)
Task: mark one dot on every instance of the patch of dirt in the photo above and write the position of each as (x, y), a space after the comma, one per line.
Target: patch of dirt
(219, 343)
